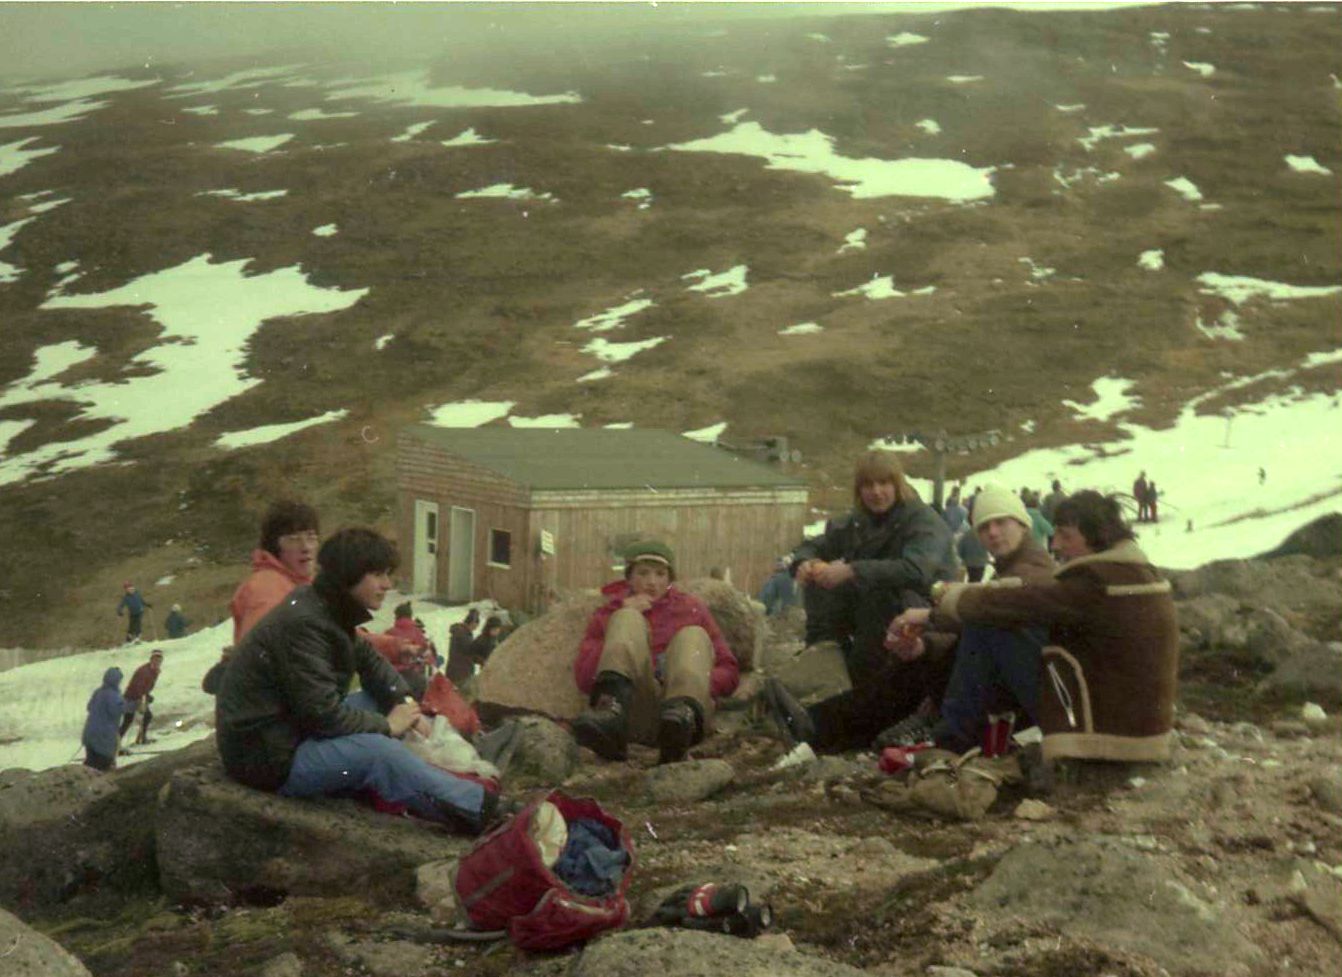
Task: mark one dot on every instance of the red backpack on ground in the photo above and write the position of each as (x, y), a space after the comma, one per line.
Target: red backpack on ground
(502, 883)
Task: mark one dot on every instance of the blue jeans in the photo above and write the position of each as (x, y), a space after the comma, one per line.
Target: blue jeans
(371, 761)
(986, 659)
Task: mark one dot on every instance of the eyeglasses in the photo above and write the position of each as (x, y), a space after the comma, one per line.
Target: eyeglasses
(298, 539)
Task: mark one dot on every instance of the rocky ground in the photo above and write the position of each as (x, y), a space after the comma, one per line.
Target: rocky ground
(481, 296)
(1226, 861)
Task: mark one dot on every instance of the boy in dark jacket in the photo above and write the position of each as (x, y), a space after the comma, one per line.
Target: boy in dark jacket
(483, 646)
(864, 569)
(101, 734)
(282, 720)
(459, 638)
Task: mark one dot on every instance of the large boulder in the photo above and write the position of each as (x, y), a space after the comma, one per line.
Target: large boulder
(1204, 619)
(1294, 583)
(1314, 669)
(1321, 538)
(28, 953)
(221, 842)
(530, 751)
(812, 674)
(635, 953)
(532, 670)
(1118, 895)
(70, 835)
(740, 619)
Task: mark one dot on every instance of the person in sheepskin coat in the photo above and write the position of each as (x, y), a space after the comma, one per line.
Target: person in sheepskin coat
(1111, 671)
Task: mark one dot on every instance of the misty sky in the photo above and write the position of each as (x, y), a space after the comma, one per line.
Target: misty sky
(68, 39)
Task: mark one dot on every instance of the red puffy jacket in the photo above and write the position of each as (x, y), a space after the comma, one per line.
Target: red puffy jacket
(667, 616)
(269, 583)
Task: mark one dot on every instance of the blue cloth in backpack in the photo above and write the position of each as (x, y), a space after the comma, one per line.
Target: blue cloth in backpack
(593, 861)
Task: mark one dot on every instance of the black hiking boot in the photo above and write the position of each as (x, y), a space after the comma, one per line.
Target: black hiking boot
(779, 705)
(678, 729)
(493, 810)
(604, 728)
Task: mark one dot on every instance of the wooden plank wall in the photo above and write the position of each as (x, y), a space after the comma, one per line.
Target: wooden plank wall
(745, 531)
(432, 474)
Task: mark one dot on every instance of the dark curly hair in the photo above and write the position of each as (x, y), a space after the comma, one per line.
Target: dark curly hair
(1098, 518)
(347, 556)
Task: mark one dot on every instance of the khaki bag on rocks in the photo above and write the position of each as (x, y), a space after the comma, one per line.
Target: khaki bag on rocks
(961, 787)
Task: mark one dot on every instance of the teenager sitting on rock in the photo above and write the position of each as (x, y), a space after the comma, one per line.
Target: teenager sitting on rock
(284, 559)
(282, 722)
(1111, 670)
(652, 662)
(985, 659)
(865, 568)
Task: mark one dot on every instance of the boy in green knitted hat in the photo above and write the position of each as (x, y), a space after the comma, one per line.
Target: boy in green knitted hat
(652, 662)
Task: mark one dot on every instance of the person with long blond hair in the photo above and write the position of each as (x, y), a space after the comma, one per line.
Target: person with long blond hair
(866, 567)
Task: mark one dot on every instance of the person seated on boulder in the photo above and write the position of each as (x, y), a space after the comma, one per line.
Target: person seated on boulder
(983, 660)
(284, 559)
(282, 720)
(1111, 672)
(652, 662)
(409, 656)
(865, 568)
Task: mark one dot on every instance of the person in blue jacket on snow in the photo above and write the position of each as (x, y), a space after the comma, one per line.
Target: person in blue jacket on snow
(101, 728)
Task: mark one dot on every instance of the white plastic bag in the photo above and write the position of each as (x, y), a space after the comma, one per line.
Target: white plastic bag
(448, 749)
(550, 832)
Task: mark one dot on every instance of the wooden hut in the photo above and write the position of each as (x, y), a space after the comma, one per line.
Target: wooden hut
(520, 514)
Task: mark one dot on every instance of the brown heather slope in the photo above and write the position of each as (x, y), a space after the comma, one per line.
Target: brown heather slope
(482, 294)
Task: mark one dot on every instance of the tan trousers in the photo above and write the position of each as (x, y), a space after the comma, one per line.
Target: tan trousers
(686, 667)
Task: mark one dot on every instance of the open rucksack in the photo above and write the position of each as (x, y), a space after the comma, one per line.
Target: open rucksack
(504, 883)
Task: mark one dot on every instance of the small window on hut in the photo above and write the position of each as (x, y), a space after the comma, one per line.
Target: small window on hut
(500, 548)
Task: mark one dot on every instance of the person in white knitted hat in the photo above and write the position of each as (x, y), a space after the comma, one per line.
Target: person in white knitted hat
(988, 661)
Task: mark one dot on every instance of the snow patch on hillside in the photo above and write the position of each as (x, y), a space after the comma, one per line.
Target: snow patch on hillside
(198, 363)
(813, 152)
(267, 433)
(469, 413)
